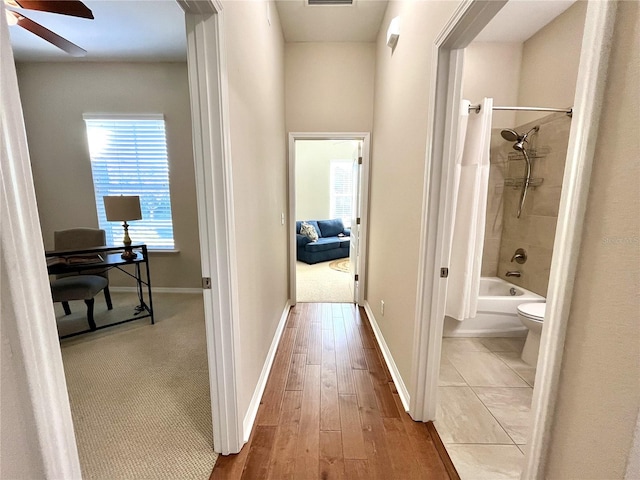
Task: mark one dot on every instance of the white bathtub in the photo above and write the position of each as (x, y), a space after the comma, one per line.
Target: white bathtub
(497, 311)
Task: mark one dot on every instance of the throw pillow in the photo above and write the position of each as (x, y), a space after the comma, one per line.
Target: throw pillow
(308, 231)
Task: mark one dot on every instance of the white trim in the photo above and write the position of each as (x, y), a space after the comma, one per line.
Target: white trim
(365, 137)
(403, 392)
(123, 116)
(29, 333)
(467, 21)
(189, 291)
(212, 158)
(592, 74)
(252, 411)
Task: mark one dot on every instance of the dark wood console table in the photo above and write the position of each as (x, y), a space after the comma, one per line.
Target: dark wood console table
(104, 259)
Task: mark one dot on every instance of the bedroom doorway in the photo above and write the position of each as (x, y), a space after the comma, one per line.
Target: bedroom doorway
(327, 182)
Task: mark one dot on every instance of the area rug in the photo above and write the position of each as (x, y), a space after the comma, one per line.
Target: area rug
(341, 265)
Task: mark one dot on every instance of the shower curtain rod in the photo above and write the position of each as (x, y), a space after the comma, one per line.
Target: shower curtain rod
(568, 111)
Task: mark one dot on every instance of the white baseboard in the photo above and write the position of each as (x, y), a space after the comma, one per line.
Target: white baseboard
(388, 358)
(252, 411)
(156, 290)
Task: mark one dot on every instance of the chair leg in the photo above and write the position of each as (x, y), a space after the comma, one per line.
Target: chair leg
(92, 323)
(67, 309)
(107, 297)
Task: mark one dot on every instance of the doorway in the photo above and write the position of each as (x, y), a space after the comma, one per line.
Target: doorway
(328, 184)
(592, 71)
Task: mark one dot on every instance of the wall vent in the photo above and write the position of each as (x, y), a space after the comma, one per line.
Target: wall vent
(329, 2)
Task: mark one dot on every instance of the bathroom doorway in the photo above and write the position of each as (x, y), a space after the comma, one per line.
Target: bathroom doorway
(328, 210)
(528, 461)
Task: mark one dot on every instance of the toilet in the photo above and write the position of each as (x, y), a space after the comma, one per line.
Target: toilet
(531, 315)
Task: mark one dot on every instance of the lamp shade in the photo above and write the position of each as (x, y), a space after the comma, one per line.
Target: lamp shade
(122, 208)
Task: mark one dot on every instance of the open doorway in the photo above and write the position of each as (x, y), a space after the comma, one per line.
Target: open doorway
(327, 187)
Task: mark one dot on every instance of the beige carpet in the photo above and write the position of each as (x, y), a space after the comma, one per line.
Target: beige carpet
(322, 284)
(140, 393)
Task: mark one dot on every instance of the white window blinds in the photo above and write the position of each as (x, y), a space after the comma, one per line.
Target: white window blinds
(341, 191)
(129, 157)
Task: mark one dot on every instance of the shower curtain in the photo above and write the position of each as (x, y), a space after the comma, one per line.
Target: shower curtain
(470, 188)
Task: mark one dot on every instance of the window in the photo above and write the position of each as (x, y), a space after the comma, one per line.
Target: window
(341, 190)
(129, 157)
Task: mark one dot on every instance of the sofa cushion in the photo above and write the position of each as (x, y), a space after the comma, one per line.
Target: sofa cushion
(322, 244)
(301, 240)
(331, 228)
(309, 231)
(345, 241)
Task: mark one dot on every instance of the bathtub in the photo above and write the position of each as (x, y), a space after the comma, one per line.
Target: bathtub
(497, 311)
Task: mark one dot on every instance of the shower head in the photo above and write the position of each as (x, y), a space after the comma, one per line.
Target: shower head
(513, 136)
(509, 135)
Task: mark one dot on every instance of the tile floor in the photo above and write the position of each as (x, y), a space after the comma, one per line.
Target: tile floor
(483, 412)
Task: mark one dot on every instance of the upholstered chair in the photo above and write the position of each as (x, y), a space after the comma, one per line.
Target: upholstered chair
(87, 284)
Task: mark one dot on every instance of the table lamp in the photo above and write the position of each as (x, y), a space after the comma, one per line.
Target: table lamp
(123, 209)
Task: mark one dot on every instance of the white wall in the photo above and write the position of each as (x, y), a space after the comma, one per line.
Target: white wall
(399, 137)
(54, 97)
(550, 62)
(599, 388)
(493, 70)
(329, 87)
(255, 58)
(313, 166)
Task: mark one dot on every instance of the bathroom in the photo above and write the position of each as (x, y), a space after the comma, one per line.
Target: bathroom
(487, 374)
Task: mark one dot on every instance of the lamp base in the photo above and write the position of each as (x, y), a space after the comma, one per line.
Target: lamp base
(129, 254)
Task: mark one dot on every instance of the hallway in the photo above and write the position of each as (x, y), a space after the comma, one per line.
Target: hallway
(330, 409)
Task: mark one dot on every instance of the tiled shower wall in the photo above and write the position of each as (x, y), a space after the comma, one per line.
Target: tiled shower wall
(534, 231)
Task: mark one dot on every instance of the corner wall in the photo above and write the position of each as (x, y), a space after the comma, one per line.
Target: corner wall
(54, 97)
(255, 64)
(401, 110)
(599, 391)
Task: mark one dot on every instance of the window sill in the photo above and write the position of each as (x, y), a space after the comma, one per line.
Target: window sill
(154, 251)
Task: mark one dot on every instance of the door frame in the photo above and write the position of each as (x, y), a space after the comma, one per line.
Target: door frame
(365, 137)
(446, 93)
(208, 88)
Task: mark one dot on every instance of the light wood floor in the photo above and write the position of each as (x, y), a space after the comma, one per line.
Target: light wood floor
(330, 409)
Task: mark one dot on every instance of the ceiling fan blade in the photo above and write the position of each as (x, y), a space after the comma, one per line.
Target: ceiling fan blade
(73, 8)
(51, 37)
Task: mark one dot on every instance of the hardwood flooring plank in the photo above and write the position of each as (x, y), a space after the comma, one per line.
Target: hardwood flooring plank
(357, 469)
(327, 316)
(302, 335)
(314, 352)
(384, 397)
(343, 360)
(329, 409)
(294, 317)
(308, 448)
(364, 390)
(331, 457)
(295, 379)
(356, 352)
(375, 442)
(423, 447)
(336, 310)
(258, 459)
(283, 455)
(351, 427)
(401, 453)
(272, 397)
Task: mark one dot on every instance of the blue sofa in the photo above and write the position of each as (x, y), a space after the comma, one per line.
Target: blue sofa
(333, 241)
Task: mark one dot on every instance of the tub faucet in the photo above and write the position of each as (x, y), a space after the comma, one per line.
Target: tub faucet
(514, 273)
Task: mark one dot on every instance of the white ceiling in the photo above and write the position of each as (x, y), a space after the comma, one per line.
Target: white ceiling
(359, 22)
(123, 30)
(519, 20)
(153, 30)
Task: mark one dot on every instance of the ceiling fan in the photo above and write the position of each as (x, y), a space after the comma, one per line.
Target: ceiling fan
(74, 8)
